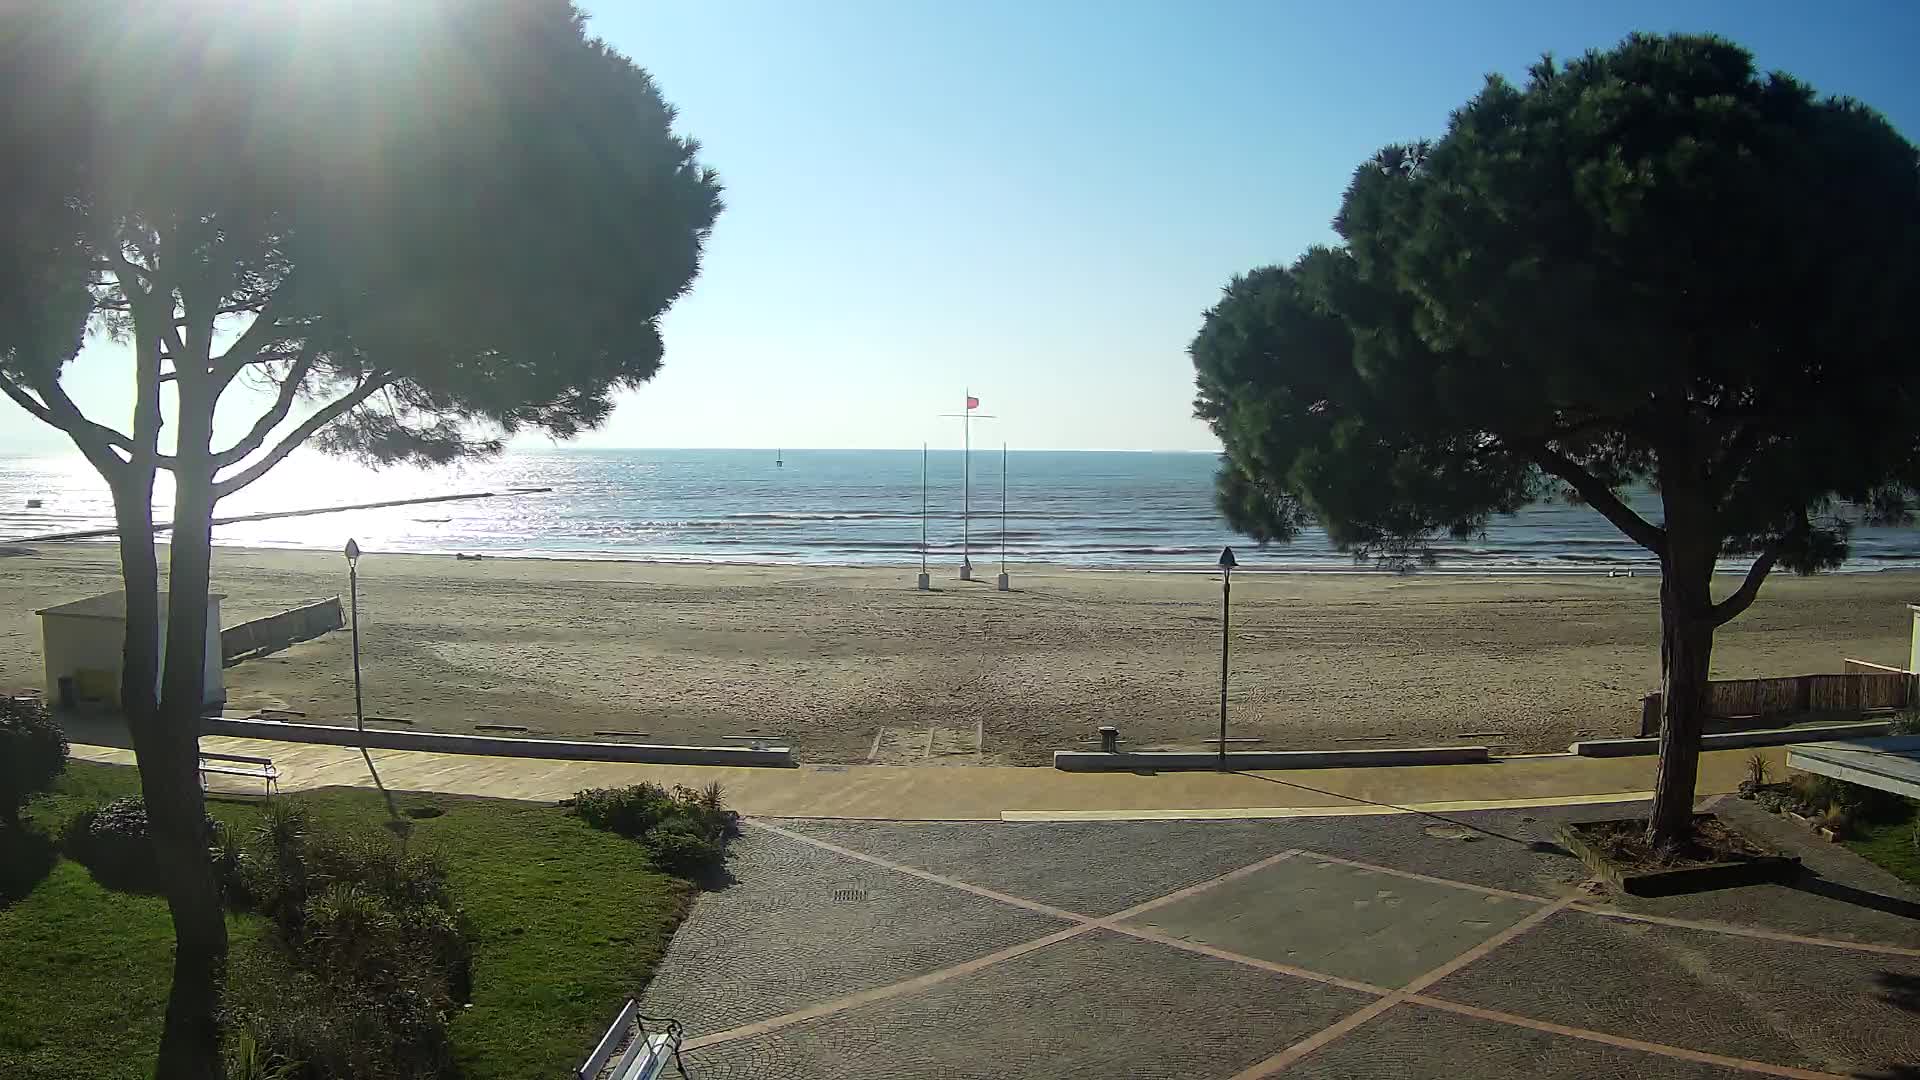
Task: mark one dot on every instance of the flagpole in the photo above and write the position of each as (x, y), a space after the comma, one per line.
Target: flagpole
(925, 583)
(966, 486)
(1002, 583)
(966, 416)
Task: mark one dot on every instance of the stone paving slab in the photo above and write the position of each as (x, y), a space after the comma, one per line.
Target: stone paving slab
(1094, 1007)
(1500, 849)
(800, 925)
(1412, 1042)
(1093, 868)
(1805, 1006)
(1340, 920)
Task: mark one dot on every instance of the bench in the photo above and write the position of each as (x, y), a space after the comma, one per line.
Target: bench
(635, 1047)
(255, 768)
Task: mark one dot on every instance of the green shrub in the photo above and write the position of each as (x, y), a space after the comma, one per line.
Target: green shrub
(1907, 721)
(628, 811)
(27, 856)
(248, 1060)
(335, 1026)
(685, 831)
(678, 846)
(1817, 794)
(369, 958)
(114, 843)
(33, 753)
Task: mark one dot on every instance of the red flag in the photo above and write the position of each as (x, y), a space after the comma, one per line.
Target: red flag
(972, 402)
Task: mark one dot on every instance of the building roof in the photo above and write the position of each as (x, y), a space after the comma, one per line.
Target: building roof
(111, 605)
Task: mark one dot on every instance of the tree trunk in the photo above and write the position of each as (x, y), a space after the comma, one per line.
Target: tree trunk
(190, 1043)
(1686, 650)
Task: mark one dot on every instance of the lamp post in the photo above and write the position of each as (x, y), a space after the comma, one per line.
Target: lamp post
(1227, 563)
(353, 591)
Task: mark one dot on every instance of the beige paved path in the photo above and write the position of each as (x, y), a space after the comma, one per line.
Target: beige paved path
(991, 793)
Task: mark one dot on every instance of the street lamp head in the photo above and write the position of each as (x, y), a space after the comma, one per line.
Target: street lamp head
(353, 551)
(1227, 561)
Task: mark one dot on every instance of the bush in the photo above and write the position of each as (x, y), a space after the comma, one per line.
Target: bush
(334, 1027)
(33, 753)
(629, 811)
(685, 831)
(1907, 721)
(1819, 794)
(680, 847)
(369, 959)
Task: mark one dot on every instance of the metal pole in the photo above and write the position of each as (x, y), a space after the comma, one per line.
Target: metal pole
(1003, 508)
(966, 483)
(1226, 592)
(923, 508)
(353, 590)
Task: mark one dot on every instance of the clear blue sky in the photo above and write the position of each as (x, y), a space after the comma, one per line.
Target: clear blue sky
(1038, 200)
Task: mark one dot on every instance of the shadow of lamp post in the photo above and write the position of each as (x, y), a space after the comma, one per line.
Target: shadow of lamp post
(1227, 563)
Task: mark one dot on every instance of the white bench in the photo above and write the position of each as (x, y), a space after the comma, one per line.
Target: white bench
(630, 1051)
(255, 768)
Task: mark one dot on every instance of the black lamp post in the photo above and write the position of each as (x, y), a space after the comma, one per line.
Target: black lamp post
(353, 591)
(1227, 563)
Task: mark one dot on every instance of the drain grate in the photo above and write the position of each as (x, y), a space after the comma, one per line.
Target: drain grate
(846, 896)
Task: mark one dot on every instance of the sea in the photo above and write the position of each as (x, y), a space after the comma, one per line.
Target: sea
(1093, 509)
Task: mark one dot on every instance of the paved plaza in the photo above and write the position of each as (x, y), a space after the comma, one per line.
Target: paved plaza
(1414, 945)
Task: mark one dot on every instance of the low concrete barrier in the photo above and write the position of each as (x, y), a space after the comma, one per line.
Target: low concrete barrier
(281, 629)
(1734, 740)
(1167, 760)
(444, 743)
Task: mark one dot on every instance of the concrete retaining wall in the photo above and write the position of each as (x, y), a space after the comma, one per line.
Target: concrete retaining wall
(1131, 760)
(282, 629)
(1734, 740)
(443, 743)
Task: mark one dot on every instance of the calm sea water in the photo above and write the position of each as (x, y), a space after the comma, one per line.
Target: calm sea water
(1090, 509)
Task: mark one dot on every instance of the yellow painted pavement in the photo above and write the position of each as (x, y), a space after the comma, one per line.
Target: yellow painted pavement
(991, 792)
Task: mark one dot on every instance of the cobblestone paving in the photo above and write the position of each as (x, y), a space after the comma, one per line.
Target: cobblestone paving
(1340, 920)
(1402, 1045)
(1094, 1007)
(1501, 849)
(1094, 868)
(950, 983)
(778, 939)
(1807, 1006)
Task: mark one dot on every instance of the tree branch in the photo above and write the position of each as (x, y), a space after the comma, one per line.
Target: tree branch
(1726, 610)
(1743, 597)
(1740, 450)
(60, 411)
(1599, 496)
(57, 410)
(258, 335)
(272, 418)
(125, 271)
(26, 401)
(301, 434)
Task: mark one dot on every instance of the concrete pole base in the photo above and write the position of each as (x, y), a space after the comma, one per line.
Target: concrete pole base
(1003, 585)
(925, 583)
(966, 571)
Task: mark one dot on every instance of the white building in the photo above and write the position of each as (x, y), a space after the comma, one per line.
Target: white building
(83, 643)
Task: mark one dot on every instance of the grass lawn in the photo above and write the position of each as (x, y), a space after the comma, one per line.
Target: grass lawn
(568, 921)
(1891, 845)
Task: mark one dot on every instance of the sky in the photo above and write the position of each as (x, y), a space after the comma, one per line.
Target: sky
(1037, 201)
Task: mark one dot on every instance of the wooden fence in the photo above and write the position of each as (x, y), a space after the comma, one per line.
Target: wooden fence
(280, 630)
(1864, 687)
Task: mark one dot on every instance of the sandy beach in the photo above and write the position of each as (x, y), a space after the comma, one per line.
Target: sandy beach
(853, 665)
